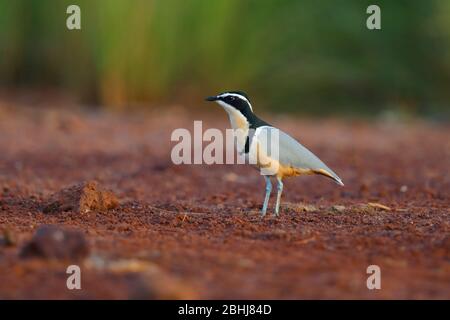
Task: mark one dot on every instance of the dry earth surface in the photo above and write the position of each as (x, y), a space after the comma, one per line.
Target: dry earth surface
(194, 231)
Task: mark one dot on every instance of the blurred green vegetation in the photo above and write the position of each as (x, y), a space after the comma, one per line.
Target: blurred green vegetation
(289, 55)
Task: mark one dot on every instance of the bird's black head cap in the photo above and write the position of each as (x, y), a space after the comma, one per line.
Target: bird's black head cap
(239, 101)
(236, 99)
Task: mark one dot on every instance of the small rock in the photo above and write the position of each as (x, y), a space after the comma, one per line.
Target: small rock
(131, 265)
(338, 208)
(378, 206)
(403, 188)
(232, 177)
(82, 198)
(54, 242)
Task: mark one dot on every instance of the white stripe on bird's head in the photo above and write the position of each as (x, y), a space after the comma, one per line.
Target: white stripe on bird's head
(237, 95)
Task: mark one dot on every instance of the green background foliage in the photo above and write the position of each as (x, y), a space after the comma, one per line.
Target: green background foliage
(289, 55)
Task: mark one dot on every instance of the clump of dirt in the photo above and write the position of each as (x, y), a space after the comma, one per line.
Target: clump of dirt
(82, 198)
(54, 242)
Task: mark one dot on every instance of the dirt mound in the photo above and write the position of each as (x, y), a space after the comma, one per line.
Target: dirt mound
(82, 198)
(55, 242)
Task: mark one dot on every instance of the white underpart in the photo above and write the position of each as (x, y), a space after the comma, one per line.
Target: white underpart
(223, 95)
(264, 147)
(239, 124)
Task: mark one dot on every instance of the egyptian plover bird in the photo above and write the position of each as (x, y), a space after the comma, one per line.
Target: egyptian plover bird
(292, 159)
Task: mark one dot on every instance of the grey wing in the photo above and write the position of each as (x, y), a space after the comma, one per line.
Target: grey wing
(292, 153)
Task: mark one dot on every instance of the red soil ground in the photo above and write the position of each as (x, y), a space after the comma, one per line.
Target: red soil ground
(194, 231)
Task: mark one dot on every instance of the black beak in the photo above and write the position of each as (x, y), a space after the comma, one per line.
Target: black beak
(212, 98)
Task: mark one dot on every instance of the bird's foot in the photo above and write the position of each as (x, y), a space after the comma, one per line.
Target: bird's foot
(276, 212)
(262, 214)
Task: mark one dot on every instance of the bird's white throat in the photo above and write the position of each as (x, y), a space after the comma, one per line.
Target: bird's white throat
(237, 119)
(239, 123)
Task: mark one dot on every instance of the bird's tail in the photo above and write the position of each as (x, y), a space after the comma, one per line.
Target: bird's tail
(330, 175)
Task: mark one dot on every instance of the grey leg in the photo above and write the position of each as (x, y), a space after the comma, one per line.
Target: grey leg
(266, 199)
(280, 191)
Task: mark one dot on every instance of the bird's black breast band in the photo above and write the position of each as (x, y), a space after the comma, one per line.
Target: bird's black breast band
(247, 145)
(251, 134)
